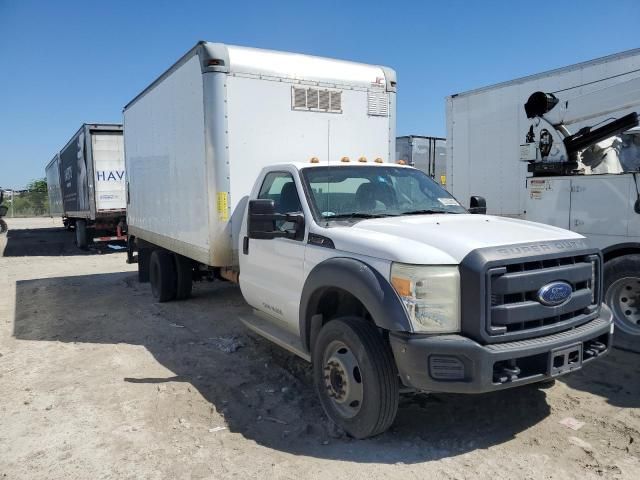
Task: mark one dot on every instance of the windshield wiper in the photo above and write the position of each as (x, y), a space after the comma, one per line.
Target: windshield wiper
(426, 211)
(356, 215)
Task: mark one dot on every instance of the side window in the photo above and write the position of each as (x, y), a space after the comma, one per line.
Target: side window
(280, 187)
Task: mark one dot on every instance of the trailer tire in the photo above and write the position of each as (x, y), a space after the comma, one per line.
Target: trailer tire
(162, 273)
(81, 233)
(355, 376)
(184, 277)
(622, 292)
(144, 259)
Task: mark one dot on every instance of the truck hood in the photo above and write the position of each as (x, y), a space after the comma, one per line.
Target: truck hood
(439, 239)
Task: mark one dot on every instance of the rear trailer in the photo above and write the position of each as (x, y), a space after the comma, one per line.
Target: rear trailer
(54, 192)
(198, 136)
(424, 153)
(91, 174)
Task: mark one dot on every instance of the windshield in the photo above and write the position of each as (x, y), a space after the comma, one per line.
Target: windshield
(374, 191)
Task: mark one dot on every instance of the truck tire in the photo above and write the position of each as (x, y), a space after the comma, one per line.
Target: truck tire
(622, 292)
(81, 234)
(144, 259)
(184, 277)
(162, 273)
(355, 376)
(3, 226)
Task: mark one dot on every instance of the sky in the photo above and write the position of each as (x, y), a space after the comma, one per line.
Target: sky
(64, 63)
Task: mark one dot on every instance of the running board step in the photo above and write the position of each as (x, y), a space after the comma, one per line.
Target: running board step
(269, 329)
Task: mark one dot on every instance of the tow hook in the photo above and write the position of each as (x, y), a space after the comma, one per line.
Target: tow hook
(594, 348)
(506, 373)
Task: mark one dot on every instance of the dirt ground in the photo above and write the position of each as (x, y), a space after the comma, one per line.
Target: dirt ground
(98, 381)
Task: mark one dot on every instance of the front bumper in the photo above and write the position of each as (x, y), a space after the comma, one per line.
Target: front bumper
(457, 364)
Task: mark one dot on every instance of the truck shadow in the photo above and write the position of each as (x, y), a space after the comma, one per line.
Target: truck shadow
(615, 377)
(264, 393)
(51, 241)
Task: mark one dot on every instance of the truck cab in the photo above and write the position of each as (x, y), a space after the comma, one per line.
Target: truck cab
(384, 281)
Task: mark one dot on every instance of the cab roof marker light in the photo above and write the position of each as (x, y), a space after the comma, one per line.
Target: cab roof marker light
(362, 159)
(401, 162)
(345, 159)
(379, 160)
(314, 160)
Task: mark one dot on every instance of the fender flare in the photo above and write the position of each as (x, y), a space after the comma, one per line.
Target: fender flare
(363, 282)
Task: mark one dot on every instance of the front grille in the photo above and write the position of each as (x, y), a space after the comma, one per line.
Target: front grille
(513, 307)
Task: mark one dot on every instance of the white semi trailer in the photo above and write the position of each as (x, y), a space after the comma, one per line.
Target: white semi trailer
(275, 170)
(560, 148)
(86, 185)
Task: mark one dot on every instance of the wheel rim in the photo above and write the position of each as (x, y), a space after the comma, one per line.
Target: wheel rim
(623, 297)
(342, 379)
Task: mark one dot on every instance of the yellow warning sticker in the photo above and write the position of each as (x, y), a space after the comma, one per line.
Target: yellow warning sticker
(223, 206)
(443, 179)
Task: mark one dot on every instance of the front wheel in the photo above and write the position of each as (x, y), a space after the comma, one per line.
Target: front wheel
(356, 377)
(622, 292)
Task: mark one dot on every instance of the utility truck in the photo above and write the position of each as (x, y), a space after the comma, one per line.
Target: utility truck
(86, 186)
(274, 170)
(561, 148)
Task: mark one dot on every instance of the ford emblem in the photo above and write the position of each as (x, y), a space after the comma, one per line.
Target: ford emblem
(554, 293)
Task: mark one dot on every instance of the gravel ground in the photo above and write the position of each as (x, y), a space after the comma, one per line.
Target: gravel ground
(98, 381)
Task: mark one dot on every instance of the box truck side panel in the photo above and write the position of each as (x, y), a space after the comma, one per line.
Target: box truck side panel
(266, 127)
(485, 128)
(53, 187)
(108, 160)
(167, 173)
(73, 177)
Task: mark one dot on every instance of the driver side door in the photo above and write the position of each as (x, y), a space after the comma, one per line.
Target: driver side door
(271, 271)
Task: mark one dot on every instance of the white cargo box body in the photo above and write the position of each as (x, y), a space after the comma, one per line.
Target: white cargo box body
(485, 128)
(196, 138)
(52, 171)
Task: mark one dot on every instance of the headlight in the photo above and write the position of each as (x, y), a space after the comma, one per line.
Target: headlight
(431, 295)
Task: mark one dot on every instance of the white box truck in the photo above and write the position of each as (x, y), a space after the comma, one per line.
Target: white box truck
(563, 156)
(86, 184)
(273, 170)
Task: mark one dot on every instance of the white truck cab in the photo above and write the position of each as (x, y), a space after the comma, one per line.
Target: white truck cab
(272, 170)
(379, 277)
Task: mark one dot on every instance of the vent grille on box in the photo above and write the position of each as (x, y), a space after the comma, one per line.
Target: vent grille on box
(378, 103)
(299, 98)
(312, 98)
(336, 101)
(324, 99)
(316, 100)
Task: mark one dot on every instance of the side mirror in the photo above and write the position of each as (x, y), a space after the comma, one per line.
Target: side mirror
(478, 205)
(262, 221)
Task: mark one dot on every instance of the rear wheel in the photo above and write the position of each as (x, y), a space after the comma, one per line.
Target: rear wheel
(184, 277)
(81, 233)
(162, 273)
(622, 292)
(355, 376)
(3, 226)
(144, 259)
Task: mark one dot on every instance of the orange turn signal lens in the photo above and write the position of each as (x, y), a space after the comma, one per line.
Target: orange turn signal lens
(402, 286)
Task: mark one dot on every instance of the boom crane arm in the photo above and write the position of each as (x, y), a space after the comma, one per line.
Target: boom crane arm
(552, 148)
